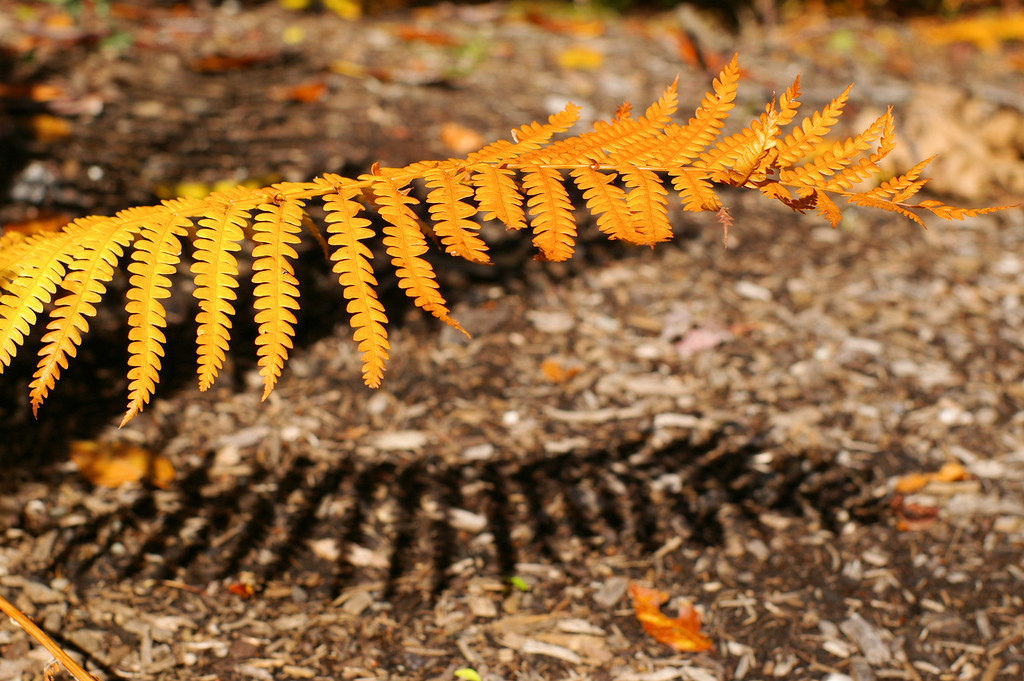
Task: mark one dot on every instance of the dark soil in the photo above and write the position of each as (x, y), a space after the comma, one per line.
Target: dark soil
(725, 424)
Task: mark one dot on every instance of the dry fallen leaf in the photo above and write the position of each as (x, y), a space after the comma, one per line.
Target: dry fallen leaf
(914, 482)
(580, 26)
(911, 516)
(115, 464)
(304, 93)
(414, 34)
(47, 128)
(556, 372)
(987, 32)
(682, 633)
(460, 139)
(241, 589)
(580, 58)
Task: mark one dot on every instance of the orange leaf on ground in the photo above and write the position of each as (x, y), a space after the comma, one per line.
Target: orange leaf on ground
(682, 633)
(116, 464)
(556, 372)
(47, 128)
(414, 34)
(304, 93)
(581, 27)
(950, 472)
(580, 58)
(460, 139)
(217, 63)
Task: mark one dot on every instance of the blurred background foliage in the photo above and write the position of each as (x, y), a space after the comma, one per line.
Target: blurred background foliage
(874, 8)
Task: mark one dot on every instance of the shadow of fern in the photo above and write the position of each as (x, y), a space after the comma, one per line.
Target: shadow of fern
(393, 524)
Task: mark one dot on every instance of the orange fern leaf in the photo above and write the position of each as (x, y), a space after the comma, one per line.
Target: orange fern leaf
(527, 138)
(864, 168)
(827, 208)
(44, 259)
(275, 230)
(13, 248)
(216, 276)
(451, 214)
(694, 189)
(811, 131)
(607, 202)
(819, 172)
(789, 104)
(554, 230)
(498, 195)
(156, 253)
(744, 157)
(953, 213)
(870, 201)
(682, 144)
(614, 142)
(102, 245)
(405, 244)
(355, 274)
(647, 205)
(902, 187)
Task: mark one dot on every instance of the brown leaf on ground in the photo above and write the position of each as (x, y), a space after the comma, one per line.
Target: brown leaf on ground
(912, 516)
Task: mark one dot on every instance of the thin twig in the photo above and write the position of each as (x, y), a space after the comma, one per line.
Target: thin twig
(35, 632)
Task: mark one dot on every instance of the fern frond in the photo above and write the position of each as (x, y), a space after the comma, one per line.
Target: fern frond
(275, 230)
(606, 201)
(620, 166)
(696, 192)
(827, 208)
(355, 274)
(44, 258)
(902, 187)
(405, 244)
(726, 151)
(612, 142)
(819, 172)
(811, 131)
(527, 138)
(678, 145)
(216, 277)
(155, 256)
(13, 248)
(869, 201)
(498, 195)
(789, 104)
(945, 212)
(451, 213)
(554, 229)
(744, 157)
(103, 243)
(836, 161)
(647, 205)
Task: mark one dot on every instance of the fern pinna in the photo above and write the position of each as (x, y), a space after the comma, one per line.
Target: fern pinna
(623, 167)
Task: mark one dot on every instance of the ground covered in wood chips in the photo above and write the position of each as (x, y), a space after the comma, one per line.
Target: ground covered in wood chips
(728, 425)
